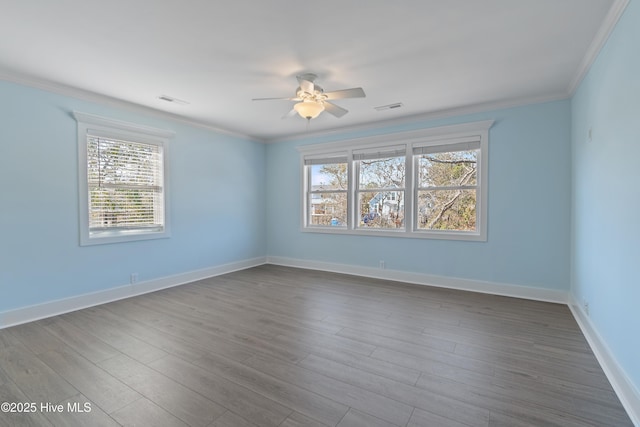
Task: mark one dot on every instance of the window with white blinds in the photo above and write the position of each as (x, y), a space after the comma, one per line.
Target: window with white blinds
(123, 174)
(125, 185)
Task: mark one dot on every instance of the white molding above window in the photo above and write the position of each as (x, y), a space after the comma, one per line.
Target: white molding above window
(149, 181)
(104, 122)
(411, 144)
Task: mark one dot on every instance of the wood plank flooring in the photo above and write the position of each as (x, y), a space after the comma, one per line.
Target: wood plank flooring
(276, 346)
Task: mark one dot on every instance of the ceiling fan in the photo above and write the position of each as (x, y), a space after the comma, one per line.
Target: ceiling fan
(311, 99)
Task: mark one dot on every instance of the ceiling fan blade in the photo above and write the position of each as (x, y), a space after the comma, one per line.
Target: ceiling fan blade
(276, 99)
(356, 92)
(334, 109)
(291, 113)
(306, 83)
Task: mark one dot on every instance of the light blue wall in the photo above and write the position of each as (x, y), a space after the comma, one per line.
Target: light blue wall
(233, 199)
(550, 224)
(606, 192)
(529, 208)
(217, 198)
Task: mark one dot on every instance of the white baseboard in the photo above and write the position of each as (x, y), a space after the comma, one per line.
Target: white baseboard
(627, 393)
(516, 291)
(53, 308)
(65, 305)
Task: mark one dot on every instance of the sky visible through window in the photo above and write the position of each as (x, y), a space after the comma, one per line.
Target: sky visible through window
(318, 177)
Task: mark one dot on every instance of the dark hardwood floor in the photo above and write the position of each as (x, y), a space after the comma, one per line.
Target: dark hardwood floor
(276, 346)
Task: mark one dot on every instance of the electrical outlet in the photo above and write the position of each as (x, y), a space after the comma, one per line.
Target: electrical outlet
(133, 278)
(381, 264)
(586, 308)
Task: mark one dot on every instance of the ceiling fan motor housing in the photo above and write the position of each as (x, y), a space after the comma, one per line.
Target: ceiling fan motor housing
(317, 95)
(312, 100)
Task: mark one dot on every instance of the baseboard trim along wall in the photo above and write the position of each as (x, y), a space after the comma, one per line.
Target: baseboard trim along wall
(61, 306)
(526, 292)
(628, 394)
(65, 305)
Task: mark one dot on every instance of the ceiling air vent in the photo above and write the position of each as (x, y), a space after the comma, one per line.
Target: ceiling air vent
(389, 106)
(173, 100)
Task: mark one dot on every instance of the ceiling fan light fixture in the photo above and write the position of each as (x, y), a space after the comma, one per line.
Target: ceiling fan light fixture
(309, 109)
(311, 99)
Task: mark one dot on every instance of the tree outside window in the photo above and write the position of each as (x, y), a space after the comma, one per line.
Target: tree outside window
(381, 192)
(328, 194)
(447, 190)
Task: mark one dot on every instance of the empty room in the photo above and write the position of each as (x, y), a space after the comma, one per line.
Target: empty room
(351, 214)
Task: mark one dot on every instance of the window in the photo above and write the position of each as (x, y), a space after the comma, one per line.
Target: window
(327, 182)
(123, 193)
(447, 186)
(381, 187)
(430, 183)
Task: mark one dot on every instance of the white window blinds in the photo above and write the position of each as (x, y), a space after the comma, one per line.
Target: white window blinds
(325, 159)
(457, 144)
(125, 184)
(380, 152)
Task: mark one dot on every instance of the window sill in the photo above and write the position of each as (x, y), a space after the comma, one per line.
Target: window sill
(437, 235)
(121, 236)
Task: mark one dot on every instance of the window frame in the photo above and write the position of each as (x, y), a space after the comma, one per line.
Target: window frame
(373, 153)
(454, 144)
(437, 136)
(101, 127)
(309, 162)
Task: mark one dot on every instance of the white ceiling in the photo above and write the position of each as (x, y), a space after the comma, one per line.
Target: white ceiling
(434, 56)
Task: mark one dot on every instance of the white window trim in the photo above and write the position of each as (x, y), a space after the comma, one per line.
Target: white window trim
(416, 138)
(374, 153)
(129, 132)
(326, 158)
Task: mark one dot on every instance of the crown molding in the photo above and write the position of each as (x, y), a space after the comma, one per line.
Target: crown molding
(423, 117)
(609, 23)
(337, 132)
(615, 12)
(85, 95)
